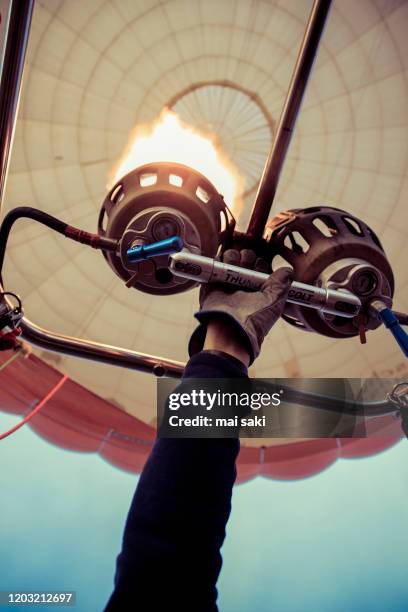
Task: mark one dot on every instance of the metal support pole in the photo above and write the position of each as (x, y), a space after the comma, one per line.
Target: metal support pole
(149, 364)
(273, 166)
(96, 351)
(10, 84)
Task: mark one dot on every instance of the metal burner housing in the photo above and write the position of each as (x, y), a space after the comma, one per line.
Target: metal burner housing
(156, 201)
(330, 247)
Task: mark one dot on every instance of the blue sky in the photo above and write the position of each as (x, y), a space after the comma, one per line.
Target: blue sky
(335, 542)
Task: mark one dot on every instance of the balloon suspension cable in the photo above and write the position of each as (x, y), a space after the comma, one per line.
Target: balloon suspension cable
(35, 410)
(10, 360)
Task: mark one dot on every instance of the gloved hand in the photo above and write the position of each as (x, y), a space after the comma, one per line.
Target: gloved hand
(252, 314)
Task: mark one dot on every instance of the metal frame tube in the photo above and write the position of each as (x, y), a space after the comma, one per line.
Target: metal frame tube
(273, 166)
(96, 351)
(149, 364)
(10, 85)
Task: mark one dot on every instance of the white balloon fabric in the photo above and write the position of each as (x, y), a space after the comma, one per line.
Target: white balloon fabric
(98, 68)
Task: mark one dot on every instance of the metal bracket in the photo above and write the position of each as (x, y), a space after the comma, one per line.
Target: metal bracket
(399, 395)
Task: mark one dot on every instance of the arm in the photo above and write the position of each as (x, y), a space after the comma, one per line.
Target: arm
(170, 558)
(220, 337)
(176, 523)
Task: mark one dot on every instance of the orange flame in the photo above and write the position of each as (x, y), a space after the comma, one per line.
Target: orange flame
(168, 139)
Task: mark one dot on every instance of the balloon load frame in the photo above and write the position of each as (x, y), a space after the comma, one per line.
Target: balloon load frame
(325, 246)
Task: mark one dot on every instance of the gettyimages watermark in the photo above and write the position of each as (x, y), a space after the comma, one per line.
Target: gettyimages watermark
(207, 400)
(276, 408)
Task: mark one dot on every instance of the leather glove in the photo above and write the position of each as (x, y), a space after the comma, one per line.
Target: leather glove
(252, 314)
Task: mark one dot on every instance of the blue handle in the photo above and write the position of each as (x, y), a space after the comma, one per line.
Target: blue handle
(163, 247)
(391, 322)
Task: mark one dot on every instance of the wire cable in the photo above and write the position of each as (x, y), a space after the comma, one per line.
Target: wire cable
(10, 360)
(33, 412)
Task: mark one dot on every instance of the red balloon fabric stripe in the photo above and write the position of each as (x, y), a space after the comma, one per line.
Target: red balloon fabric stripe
(77, 419)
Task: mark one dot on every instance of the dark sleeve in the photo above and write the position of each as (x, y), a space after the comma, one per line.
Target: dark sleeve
(170, 558)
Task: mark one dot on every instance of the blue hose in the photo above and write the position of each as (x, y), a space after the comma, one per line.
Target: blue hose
(391, 322)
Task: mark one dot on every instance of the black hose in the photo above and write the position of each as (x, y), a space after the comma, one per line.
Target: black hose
(27, 212)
